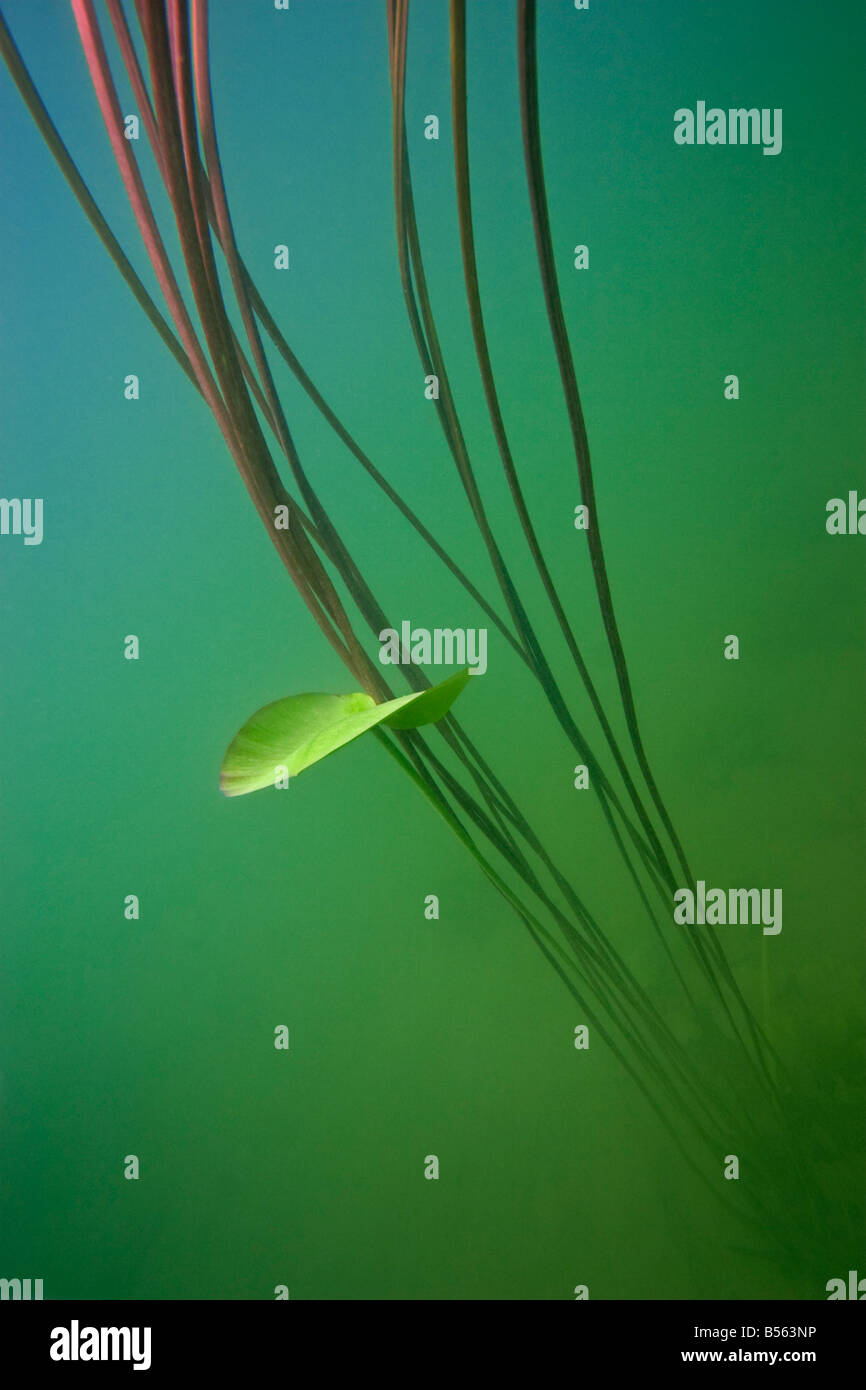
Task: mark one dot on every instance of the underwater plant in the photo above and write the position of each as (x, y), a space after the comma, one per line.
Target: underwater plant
(420, 730)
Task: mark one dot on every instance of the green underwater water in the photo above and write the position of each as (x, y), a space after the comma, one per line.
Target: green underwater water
(305, 908)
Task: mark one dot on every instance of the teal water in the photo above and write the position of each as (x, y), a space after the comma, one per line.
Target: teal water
(410, 1037)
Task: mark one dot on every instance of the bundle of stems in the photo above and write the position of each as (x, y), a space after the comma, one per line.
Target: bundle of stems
(234, 378)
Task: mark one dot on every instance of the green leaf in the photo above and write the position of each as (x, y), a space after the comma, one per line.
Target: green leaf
(302, 729)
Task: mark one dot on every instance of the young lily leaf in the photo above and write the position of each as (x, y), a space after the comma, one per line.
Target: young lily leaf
(427, 706)
(300, 730)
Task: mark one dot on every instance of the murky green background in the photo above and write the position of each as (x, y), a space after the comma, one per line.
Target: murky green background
(305, 908)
